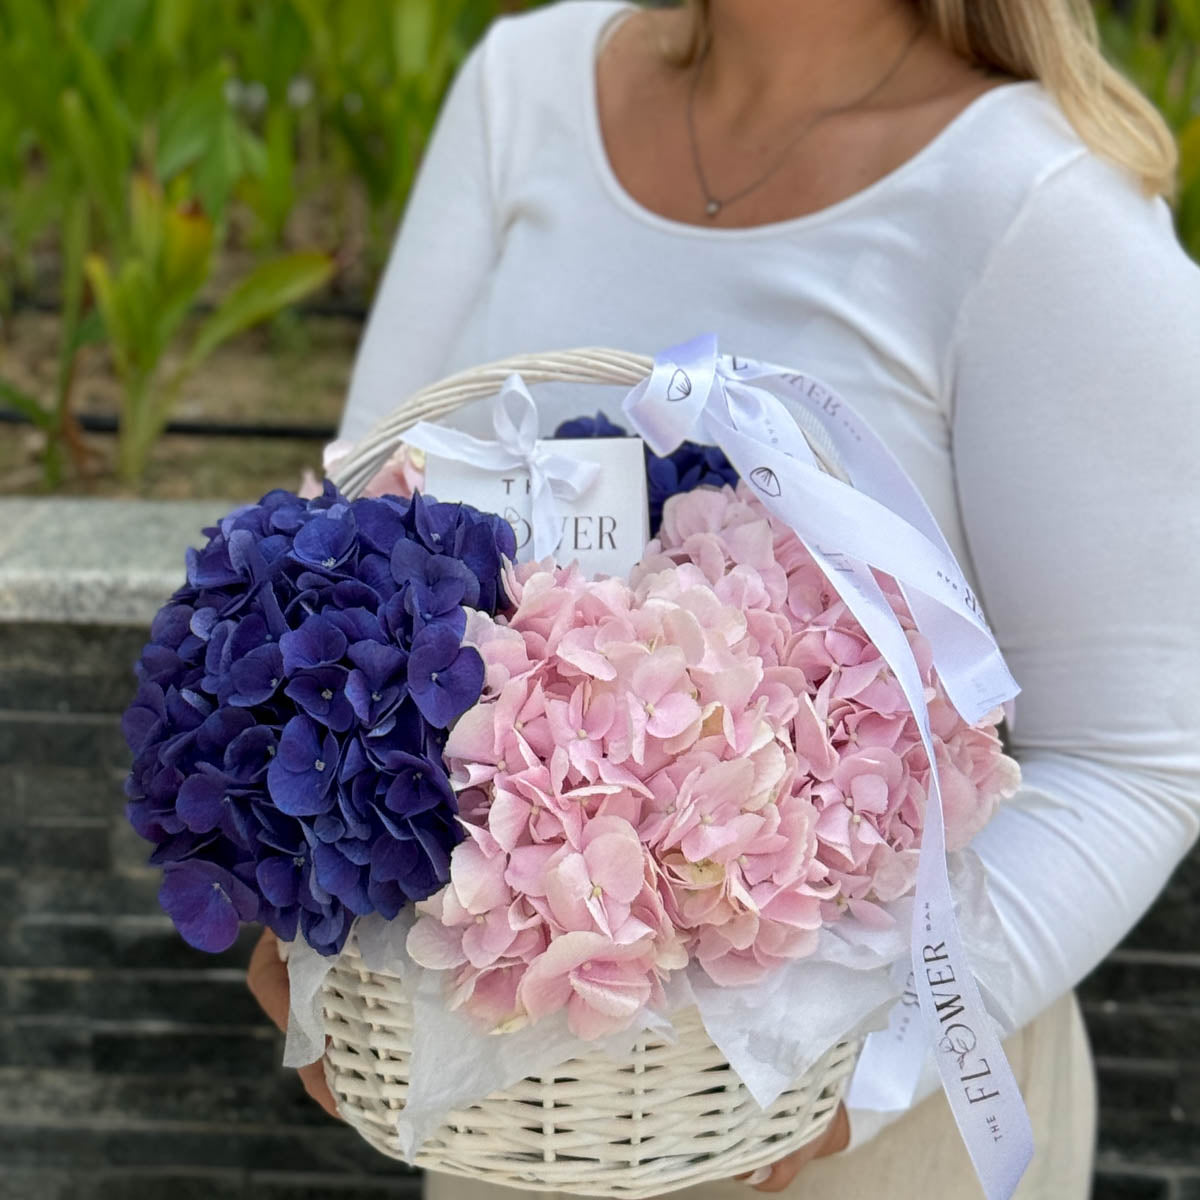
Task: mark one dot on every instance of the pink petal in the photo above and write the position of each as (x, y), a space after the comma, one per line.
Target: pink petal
(526, 873)
(493, 996)
(615, 990)
(705, 841)
(478, 880)
(508, 819)
(485, 941)
(546, 985)
(568, 889)
(658, 673)
(615, 863)
(473, 737)
(433, 945)
(673, 713)
(578, 649)
(812, 741)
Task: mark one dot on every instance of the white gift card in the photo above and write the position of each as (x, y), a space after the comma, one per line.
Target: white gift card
(605, 530)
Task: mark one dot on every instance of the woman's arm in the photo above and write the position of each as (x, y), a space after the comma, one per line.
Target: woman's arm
(1076, 437)
(441, 257)
(1077, 451)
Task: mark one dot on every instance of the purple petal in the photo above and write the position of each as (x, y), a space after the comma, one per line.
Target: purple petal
(326, 540)
(444, 695)
(256, 677)
(248, 756)
(200, 803)
(299, 745)
(317, 643)
(207, 903)
(279, 879)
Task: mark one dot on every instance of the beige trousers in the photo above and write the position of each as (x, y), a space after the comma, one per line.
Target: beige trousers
(920, 1156)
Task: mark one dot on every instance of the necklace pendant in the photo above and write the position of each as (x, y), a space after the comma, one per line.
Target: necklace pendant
(712, 208)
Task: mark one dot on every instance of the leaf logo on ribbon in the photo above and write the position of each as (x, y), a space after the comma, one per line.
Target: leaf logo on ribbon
(766, 481)
(680, 387)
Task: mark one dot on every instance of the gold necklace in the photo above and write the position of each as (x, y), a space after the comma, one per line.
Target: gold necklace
(714, 204)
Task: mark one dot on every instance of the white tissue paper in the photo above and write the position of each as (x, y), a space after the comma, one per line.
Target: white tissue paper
(770, 1032)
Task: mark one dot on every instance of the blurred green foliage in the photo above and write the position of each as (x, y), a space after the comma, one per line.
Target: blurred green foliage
(1157, 44)
(141, 141)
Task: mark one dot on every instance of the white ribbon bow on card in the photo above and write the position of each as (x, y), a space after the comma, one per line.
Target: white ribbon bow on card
(877, 520)
(553, 476)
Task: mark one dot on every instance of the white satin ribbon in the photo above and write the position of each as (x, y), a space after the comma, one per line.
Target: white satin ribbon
(553, 476)
(880, 522)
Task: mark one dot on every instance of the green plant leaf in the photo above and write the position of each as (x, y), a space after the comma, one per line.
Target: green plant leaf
(89, 332)
(267, 289)
(127, 306)
(113, 122)
(74, 236)
(104, 290)
(188, 239)
(104, 179)
(110, 22)
(189, 124)
(1189, 153)
(413, 33)
(25, 404)
(1188, 14)
(146, 218)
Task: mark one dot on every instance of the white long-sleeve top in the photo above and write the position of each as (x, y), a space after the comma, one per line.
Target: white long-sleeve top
(1012, 315)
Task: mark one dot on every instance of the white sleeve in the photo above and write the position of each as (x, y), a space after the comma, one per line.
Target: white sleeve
(1076, 443)
(442, 254)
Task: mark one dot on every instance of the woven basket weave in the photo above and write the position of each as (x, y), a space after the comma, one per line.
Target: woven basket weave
(675, 1113)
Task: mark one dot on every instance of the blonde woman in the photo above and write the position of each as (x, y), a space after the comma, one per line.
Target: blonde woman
(950, 211)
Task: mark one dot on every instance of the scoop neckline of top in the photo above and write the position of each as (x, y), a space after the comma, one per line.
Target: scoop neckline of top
(624, 200)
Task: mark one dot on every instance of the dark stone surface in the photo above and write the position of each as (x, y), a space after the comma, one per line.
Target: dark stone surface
(1113, 1185)
(232, 1146)
(1128, 977)
(79, 846)
(94, 741)
(34, 1184)
(56, 890)
(1148, 1114)
(47, 792)
(58, 1095)
(144, 941)
(133, 1067)
(67, 668)
(1145, 1031)
(187, 997)
(1172, 923)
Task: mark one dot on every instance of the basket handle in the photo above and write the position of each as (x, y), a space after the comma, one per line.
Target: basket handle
(587, 365)
(592, 365)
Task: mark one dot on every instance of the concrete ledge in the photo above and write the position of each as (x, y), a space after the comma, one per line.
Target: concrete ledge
(96, 562)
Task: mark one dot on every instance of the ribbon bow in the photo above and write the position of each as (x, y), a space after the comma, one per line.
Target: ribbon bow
(553, 476)
(872, 517)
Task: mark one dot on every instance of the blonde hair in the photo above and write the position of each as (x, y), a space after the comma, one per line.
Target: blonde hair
(1057, 43)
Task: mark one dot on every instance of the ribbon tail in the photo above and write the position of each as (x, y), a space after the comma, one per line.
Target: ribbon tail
(545, 517)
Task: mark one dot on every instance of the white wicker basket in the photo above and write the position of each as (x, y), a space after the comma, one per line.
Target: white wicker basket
(673, 1115)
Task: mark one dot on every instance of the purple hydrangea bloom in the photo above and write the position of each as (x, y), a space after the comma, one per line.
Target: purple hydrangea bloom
(293, 702)
(683, 470)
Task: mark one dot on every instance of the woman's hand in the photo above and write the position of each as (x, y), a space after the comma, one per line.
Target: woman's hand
(781, 1174)
(267, 979)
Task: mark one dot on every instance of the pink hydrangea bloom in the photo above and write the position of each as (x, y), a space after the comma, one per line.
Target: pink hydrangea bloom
(860, 757)
(707, 762)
